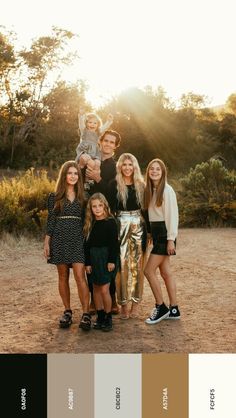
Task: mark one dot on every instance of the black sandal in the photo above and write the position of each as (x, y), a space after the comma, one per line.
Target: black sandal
(66, 319)
(85, 322)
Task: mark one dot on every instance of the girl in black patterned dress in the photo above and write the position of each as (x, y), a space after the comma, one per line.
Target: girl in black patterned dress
(101, 256)
(63, 244)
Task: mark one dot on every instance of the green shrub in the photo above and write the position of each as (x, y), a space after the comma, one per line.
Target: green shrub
(23, 202)
(208, 196)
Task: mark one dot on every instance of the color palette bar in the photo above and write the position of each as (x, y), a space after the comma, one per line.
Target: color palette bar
(70, 385)
(212, 385)
(118, 385)
(165, 385)
(23, 381)
(162, 385)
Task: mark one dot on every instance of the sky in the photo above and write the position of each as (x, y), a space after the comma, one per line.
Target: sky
(182, 45)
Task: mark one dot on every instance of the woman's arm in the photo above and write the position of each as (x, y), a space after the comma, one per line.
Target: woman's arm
(51, 220)
(46, 248)
(114, 247)
(171, 213)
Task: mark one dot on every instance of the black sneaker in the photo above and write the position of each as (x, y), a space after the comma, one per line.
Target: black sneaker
(107, 324)
(174, 312)
(159, 312)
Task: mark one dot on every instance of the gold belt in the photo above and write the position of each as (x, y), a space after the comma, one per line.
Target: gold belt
(69, 217)
(129, 212)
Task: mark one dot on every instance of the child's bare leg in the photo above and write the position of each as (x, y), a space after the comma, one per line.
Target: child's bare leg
(91, 164)
(97, 164)
(83, 160)
(153, 263)
(169, 280)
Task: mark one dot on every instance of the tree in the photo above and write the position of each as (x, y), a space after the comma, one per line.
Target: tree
(27, 76)
(58, 132)
(192, 100)
(208, 197)
(231, 103)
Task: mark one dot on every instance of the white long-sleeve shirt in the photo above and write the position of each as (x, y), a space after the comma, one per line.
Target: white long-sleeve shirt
(167, 212)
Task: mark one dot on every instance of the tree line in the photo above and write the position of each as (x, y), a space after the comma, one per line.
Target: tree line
(39, 124)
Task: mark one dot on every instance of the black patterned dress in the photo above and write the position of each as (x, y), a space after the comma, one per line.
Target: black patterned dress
(66, 231)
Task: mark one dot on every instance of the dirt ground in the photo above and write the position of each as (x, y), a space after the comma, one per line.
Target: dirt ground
(205, 271)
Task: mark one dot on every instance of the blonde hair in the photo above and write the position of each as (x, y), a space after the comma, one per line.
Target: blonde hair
(122, 190)
(89, 216)
(61, 186)
(148, 193)
(93, 116)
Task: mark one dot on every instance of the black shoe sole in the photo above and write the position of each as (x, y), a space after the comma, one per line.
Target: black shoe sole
(61, 325)
(97, 327)
(173, 317)
(156, 321)
(85, 327)
(107, 329)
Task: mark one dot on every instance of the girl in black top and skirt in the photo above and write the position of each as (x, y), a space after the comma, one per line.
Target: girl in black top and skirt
(63, 244)
(161, 203)
(101, 256)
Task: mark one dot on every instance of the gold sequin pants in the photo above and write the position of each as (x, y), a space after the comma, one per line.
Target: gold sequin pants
(129, 279)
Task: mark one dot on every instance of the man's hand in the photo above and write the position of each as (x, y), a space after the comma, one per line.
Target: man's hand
(93, 174)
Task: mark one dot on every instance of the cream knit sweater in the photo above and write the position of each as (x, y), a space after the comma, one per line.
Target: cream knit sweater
(167, 212)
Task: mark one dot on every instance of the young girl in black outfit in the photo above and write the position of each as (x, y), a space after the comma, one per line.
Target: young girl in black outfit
(101, 254)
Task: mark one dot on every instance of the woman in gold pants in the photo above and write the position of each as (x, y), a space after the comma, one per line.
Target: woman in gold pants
(126, 200)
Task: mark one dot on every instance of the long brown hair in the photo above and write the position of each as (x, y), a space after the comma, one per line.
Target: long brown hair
(122, 192)
(89, 216)
(61, 185)
(148, 192)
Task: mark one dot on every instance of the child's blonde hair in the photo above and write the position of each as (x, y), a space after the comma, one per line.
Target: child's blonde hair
(122, 192)
(89, 216)
(93, 116)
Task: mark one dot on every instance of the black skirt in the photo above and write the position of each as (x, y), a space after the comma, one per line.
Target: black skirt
(99, 260)
(159, 237)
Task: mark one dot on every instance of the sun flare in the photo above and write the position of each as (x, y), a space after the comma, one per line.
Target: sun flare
(128, 43)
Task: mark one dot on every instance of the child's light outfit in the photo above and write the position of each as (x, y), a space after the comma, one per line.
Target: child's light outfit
(89, 140)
